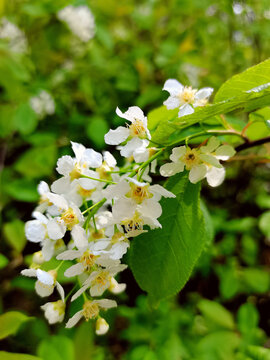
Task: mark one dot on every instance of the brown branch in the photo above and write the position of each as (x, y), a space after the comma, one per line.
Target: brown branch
(250, 144)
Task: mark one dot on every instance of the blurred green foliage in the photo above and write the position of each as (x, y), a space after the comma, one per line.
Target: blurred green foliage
(223, 313)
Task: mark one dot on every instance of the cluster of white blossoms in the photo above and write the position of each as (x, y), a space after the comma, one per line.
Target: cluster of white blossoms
(88, 216)
(80, 21)
(16, 38)
(43, 104)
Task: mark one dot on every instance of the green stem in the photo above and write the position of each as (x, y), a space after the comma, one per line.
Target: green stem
(100, 180)
(99, 204)
(71, 291)
(146, 163)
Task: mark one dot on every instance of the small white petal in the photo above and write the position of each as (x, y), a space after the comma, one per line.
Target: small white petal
(61, 186)
(75, 319)
(177, 153)
(215, 176)
(170, 169)
(74, 270)
(173, 86)
(106, 303)
(43, 289)
(135, 143)
(45, 277)
(109, 159)
(172, 103)
(210, 159)
(133, 112)
(60, 290)
(65, 165)
(162, 191)
(224, 152)
(150, 208)
(35, 231)
(69, 255)
(197, 173)
(102, 326)
(56, 230)
(79, 292)
(78, 150)
(58, 200)
(117, 136)
(203, 93)
(29, 272)
(92, 158)
(185, 110)
(79, 236)
(43, 188)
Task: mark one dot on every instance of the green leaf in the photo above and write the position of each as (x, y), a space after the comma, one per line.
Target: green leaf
(25, 119)
(256, 279)
(258, 353)
(3, 261)
(56, 348)
(37, 162)
(162, 260)
(264, 224)
(96, 130)
(247, 318)
(22, 190)
(14, 234)
(4, 355)
(216, 313)
(254, 76)
(10, 323)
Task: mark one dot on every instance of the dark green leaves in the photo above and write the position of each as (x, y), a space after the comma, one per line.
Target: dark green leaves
(162, 260)
(10, 323)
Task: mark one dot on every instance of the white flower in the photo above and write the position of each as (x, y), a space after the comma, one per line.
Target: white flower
(54, 311)
(46, 281)
(80, 21)
(91, 310)
(115, 287)
(102, 326)
(184, 96)
(43, 104)
(202, 162)
(136, 133)
(16, 37)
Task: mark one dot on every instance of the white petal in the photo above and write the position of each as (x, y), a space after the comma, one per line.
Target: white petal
(173, 86)
(48, 249)
(43, 289)
(43, 188)
(35, 231)
(215, 176)
(98, 290)
(56, 230)
(109, 159)
(61, 186)
(150, 208)
(79, 292)
(102, 326)
(210, 159)
(42, 218)
(44, 277)
(123, 209)
(197, 173)
(204, 93)
(92, 158)
(69, 255)
(133, 112)
(172, 103)
(74, 270)
(185, 110)
(177, 153)
(116, 191)
(106, 303)
(29, 272)
(117, 136)
(211, 146)
(65, 165)
(132, 145)
(58, 200)
(87, 184)
(170, 169)
(162, 191)
(224, 152)
(60, 290)
(75, 319)
(79, 236)
(78, 150)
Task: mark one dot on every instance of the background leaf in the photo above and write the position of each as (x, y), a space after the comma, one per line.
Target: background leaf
(10, 323)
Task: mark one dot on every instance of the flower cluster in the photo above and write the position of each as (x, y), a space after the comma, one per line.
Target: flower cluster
(80, 21)
(42, 104)
(16, 38)
(87, 218)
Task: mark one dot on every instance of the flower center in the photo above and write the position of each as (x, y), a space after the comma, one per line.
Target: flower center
(59, 306)
(90, 310)
(88, 260)
(137, 129)
(75, 173)
(117, 237)
(136, 223)
(139, 193)
(70, 219)
(191, 158)
(85, 193)
(103, 278)
(104, 171)
(187, 96)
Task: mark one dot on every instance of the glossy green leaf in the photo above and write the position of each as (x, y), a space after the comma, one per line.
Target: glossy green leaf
(10, 323)
(247, 318)
(162, 260)
(264, 223)
(56, 348)
(258, 353)
(254, 76)
(3, 261)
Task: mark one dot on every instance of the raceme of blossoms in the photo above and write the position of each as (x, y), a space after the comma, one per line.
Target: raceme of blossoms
(16, 38)
(80, 21)
(88, 216)
(43, 104)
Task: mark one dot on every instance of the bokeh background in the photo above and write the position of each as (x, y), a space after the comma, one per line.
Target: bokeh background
(56, 87)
